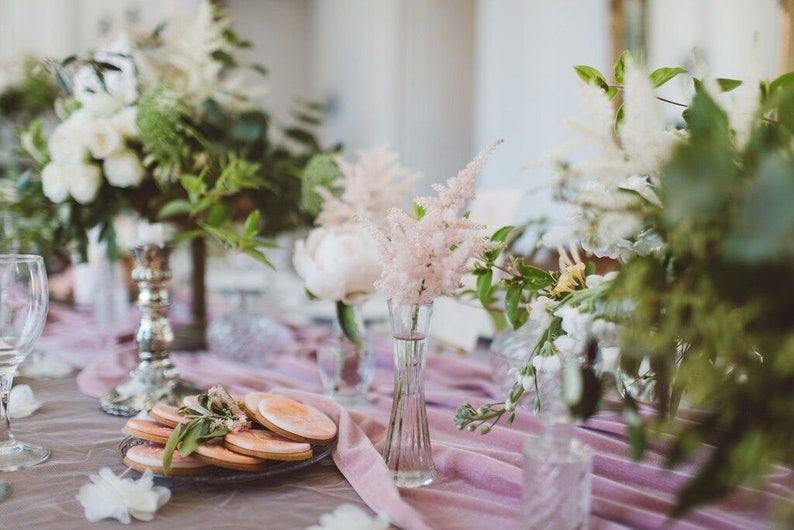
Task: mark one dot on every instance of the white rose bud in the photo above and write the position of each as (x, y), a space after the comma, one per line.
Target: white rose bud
(66, 144)
(338, 263)
(102, 138)
(53, 181)
(124, 122)
(123, 169)
(84, 181)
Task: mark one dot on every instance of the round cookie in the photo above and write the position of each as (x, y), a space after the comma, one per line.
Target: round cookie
(250, 404)
(295, 420)
(167, 415)
(218, 455)
(267, 445)
(150, 456)
(148, 430)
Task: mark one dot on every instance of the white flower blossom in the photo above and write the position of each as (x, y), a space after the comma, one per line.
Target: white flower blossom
(338, 262)
(123, 169)
(539, 311)
(124, 122)
(102, 138)
(84, 181)
(350, 517)
(22, 402)
(54, 182)
(109, 496)
(66, 143)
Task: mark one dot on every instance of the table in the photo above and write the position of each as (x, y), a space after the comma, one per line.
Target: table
(479, 481)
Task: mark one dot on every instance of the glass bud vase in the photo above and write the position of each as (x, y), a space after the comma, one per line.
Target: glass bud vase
(407, 452)
(556, 466)
(346, 360)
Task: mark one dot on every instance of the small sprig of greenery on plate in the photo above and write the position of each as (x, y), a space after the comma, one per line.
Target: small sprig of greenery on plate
(216, 414)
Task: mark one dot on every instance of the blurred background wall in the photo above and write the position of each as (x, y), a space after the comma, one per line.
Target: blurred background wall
(437, 80)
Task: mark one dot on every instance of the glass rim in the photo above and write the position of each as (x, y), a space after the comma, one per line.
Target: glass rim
(8, 258)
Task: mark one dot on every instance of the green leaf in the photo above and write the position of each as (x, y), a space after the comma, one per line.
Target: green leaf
(662, 75)
(783, 82)
(174, 208)
(588, 74)
(170, 447)
(251, 226)
(501, 234)
(620, 65)
(303, 137)
(219, 214)
(726, 85)
(346, 316)
(484, 286)
(619, 116)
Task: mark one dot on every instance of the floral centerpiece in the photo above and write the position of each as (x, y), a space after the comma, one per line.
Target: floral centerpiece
(161, 125)
(695, 217)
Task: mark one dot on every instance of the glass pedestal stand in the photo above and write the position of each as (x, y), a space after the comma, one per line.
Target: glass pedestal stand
(155, 378)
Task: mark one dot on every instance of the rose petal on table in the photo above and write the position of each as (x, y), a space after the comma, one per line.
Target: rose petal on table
(110, 496)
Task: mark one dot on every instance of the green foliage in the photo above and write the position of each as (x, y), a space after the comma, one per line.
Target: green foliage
(710, 322)
(321, 172)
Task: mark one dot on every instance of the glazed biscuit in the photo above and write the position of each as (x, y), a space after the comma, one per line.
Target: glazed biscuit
(295, 420)
(167, 415)
(267, 445)
(250, 403)
(220, 456)
(150, 456)
(148, 430)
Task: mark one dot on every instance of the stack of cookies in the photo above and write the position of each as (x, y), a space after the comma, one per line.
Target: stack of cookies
(283, 430)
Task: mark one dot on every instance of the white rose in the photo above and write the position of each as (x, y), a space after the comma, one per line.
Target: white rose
(84, 181)
(66, 143)
(102, 138)
(53, 181)
(338, 263)
(123, 169)
(124, 122)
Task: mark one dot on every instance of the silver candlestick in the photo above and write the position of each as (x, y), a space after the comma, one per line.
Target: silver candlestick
(155, 378)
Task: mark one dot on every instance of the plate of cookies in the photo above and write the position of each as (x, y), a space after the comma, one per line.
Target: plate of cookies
(220, 440)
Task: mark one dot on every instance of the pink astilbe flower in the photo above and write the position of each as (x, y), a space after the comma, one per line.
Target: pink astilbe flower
(427, 255)
(369, 187)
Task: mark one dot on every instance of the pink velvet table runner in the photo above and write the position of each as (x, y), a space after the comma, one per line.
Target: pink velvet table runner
(479, 477)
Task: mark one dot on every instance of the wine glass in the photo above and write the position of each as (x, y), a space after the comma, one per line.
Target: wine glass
(24, 299)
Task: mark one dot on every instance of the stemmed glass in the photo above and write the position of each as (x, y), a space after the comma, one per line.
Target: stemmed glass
(24, 299)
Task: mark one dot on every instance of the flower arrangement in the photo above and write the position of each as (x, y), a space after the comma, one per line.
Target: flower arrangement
(693, 216)
(161, 126)
(338, 259)
(425, 255)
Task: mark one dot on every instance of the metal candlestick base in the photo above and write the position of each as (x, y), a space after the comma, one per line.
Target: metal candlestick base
(155, 378)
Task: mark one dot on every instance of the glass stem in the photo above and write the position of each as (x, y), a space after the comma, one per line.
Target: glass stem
(6, 436)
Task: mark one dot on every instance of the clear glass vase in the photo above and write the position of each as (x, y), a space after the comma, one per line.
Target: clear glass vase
(407, 452)
(556, 466)
(346, 360)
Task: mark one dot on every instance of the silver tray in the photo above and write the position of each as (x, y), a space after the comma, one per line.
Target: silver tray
(217, 475)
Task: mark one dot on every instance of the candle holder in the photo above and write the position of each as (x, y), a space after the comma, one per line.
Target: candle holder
(155, 378)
